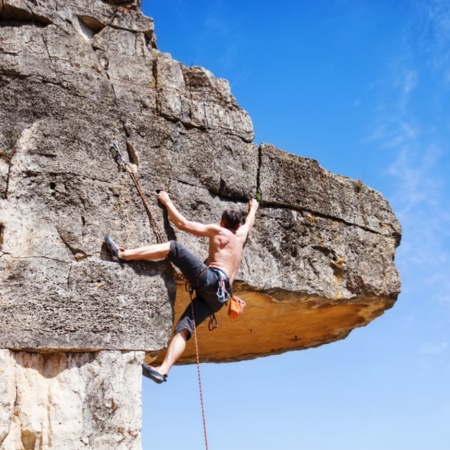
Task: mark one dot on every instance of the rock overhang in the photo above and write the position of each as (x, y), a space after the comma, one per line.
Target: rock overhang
(319, 262)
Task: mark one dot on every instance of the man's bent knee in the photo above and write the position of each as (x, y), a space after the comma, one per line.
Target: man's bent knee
(184, 328)
(184, 333)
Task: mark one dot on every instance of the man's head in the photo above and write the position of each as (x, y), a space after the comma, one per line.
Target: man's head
(231, 219)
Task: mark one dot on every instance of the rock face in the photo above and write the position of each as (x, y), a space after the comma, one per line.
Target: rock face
(76, 75)
(70, 400)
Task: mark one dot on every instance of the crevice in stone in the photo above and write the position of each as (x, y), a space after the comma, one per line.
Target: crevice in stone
(119, 113)
(13, 74)
(16, 401)
(2, 235)
(320, 215)
(20, 23)
(90, 26)
(229, 132)
(221, 186)
(130, 4)
(150, 40)
(68, 276)
(82, 176)
(155, 78)
(186, 125)
(155, 70)
(258, 176)
(8, 177)
(205, 114)
(49, 57)
(77, 253)
(186, 183)
(47, 155)
(225, 197)
(6, 52)
(5, 432)
(116, 27)
(9, 156)
(16, 16)
(110, 24)
(190, 126)
(65, 85)
(132, 155)
(185, 74)
(35, 257)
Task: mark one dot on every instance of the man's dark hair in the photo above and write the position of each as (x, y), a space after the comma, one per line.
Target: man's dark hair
(232, 219)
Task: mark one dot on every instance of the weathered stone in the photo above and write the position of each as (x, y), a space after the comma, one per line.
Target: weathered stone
(70, 400)
(300, 183)
(75, 76)
(319, 238)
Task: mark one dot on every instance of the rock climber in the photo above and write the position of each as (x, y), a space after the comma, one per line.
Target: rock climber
(212, 280)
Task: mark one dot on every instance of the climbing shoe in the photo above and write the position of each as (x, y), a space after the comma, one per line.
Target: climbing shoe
(151, 373)
(112, 247)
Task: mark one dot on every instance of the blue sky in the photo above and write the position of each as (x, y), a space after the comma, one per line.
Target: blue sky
(364, 88)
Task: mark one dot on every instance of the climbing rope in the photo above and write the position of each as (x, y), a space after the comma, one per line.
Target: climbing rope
(190, 289)
(160, 239)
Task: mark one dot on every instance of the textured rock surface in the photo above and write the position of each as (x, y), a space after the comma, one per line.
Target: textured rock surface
(75, 78)
(70, 400)
(76, 75)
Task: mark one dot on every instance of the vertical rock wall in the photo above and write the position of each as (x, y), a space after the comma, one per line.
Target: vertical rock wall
(70, 400)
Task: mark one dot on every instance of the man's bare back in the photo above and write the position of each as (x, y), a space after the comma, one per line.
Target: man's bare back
(225, 251)
(225, 245)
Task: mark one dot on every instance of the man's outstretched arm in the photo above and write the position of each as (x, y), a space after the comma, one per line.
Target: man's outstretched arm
(250, 219)
(184, 224)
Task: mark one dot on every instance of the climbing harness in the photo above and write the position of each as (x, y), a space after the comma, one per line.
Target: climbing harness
(160, 239)
(222, 292)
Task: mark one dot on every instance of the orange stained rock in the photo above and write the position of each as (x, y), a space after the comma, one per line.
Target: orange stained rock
(270, 326)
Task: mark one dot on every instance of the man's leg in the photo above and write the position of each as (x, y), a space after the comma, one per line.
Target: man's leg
(175, 350)
(148, 252)
(183, 331)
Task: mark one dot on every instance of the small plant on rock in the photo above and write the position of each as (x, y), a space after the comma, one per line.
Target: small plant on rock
(13, 139)
(11, 142)
(359, 184)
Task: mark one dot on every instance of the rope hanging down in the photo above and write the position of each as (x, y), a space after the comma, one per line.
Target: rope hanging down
(190, 289)
(160, 239)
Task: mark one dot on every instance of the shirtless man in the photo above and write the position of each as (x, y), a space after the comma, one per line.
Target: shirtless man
(211, 280)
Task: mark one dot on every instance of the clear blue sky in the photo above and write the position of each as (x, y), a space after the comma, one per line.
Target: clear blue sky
(364, 88)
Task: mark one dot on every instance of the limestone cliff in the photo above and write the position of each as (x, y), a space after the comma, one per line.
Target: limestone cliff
(76, 75)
